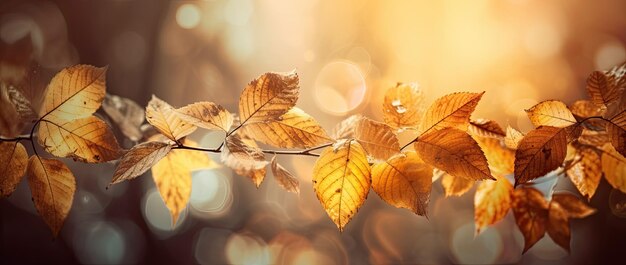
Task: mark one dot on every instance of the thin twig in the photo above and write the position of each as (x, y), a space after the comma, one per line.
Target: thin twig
(305, 152)
(409, 143)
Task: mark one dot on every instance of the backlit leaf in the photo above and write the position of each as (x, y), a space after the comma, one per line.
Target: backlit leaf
(166, 120)
(587, 172)
(139, 159)
(402, 106)
(551, 113)
(561, 209)
(345, 129)
(452, 110)
(245, 157)
(616, 129)
(453, 186)
(513, 137)
(492, 202)
(614, 167)
(601, 89)
(268, 97)
(207, 115)
(126, 114)
(10, 123)
(500, 158)
(377, 138)
(531, 214)
(574, 207)
(284, 178)
(13, 161)
(541, 151)
(486, 128)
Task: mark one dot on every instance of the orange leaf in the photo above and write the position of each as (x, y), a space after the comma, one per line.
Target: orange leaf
(561, 208)
(166, 120)
(207, 115)
(452, 110)
(345, 129)
(453, 186)
(402, 106)
(486, 128)
(601, 89)
(377, 138)
(616, 128)
(531, 214)
(245, 157)
(614, 167)
(541, 151)
(13, 162)
(587, 172)
(492, 202)
(139, 159)
(285, 178)
(551, 113)
(513, 138)
(268, 97)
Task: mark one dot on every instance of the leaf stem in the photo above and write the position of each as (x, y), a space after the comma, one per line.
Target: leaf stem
(409, 143)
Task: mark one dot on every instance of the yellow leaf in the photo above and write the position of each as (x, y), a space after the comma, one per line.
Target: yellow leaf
(531, 214)
(551, 113)
(402, 106)
(453, 186)
(377, 138)
(601, 89)
(404, 181)
(245, 157)
(207, 115)
(486, 128)
(541, 151)
(513, 137)
(341, 179)
(268, 97)
(491, 202)
(501, 159)
(455, 152)
(89, 139)
(587, 172)
(452, 110)
(139, 159)
(616, 128)
(74, 93)
(13, 161)
(285, 178)
(345, 129)
(614, 167)
(166, 120)
(52, 186)
(294, 129)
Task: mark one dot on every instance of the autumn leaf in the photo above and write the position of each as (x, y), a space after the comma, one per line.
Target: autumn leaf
(616, 128)
(452, 110)
(402, 106)
(501, 159)
(594, 138)
(561, 209)
(455, 152)
(140, 159)
(345, 129)
(10, 123)
(294, 129)
(453, 186)
(13, 162)
(377, 138)
(601, 89)
(126, 114)
(404, 181)
(492, 202)
(531, 214)
(268, 97)
(74, 93)
(166, 120)
(582, 109)
(586, 172)
(486, 128)
(22, 104)
(245, 157)
(541, 151)
(89, 139)
(52, 186)
(551, 113)
(284, 178)
(341, 180)
(513, 138)
(614, 167)
(207, 115)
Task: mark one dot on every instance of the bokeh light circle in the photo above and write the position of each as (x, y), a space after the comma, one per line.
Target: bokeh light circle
(340, 87)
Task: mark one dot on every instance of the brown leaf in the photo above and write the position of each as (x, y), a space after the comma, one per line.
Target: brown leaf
(345, 129)
(531, 214)
(341, 180)
(52, 186)
(541, 151)
(10, 123)
(268, 97)
(614, 167)
(486, 128)
(294, 129)
(573, 207)
(74, 93)
(166, 120)
(285, 178)
(558, 226)
(595, 138)
(126, 114)
(551, 113)
(602, 89)
(513, 138)
(245, 157)
(453, 186)
(88, 140)
(207, 115)
(616, 128)
(139, 159)
(455, 152)
(377, 138)
(404, 181)
(452, 110)
(402, 106)
(22, 104)
(587, 172)
(584, 109)
(492, 202)
(13, 161)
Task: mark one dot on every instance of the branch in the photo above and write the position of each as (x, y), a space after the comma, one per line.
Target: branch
(304, 152)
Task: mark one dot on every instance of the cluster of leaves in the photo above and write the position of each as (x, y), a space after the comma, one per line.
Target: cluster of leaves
(585, 141)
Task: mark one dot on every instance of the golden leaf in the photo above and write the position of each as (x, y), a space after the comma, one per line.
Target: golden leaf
(531, 214)
(551, 113)
(486, 128)
(404, 181)
(501, 159)
(455, 152)
(74, 93)
(614, 167)
(616, 128)
(453, 186)
(587, 172)
(52, 186)
(268, 97)
(584, 109)
(601, 89)
(126, 114)
(285, 178)
(139, 159)
(573, 207)
(492, 202)
(13, 161)
(562, 207)
(89, 139)
(345, 129)
(10, 124)
(541, 151)
(166, 120)
(294, 129)
(245, 157)
(513, 137)
(402, 106)
(452, 110)
(341, 179)
(377, 138)
(207, 115)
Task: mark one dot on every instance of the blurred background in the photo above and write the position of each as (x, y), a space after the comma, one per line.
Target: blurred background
(347, 53)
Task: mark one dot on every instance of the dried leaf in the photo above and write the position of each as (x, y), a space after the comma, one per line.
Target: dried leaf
(88, 140)
(52, 186)
(531, 214)
(10, 124)
(595, 138)
(404, 181)
(551, 113)
(541, 151)
(584, 109)
(486, 128)
(345, 129)
(452, 110)
(341, 179)
(285, 178)
(13, 161)
(455, 152)
(574, 207)
(453, 186)
(268, 97)
(245, 157)
(207, 115)
(74, 93)
(601, 89)
(166, 120)
(377, 138)
(402, 106)
(513, 138)
(492, 202)
(294, 129)
(140, 159)
(22, 105)
(562, 207)
(614, 167)
(587, 172)
(616, 128)
(501, 159)
(127, 114)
